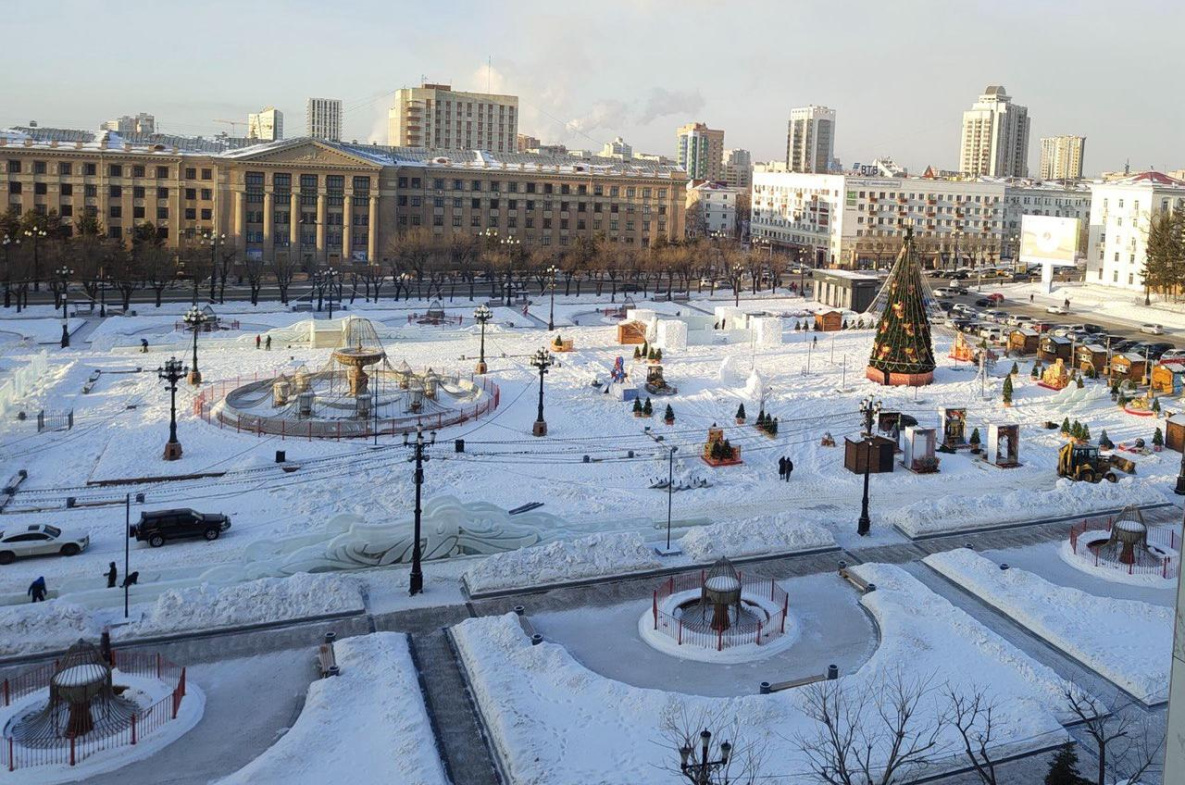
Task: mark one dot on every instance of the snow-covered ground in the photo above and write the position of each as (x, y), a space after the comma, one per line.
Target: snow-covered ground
(1127, 641)
(368, 725)
(553, 721)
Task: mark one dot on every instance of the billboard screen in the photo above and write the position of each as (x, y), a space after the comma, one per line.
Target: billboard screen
(1045, 239)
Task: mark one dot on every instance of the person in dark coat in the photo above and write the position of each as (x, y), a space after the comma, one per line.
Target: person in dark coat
(131, 579)
(143, 346)
(789, 468)
(781, 468)
(258, 340)
(268, 343)
(112, 573)
(37, 590)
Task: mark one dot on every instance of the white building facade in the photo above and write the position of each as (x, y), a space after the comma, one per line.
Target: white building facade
(713, 208)
(266, 125)
(436, 115)
(738, 168)
(810, 139)
(995, 140)
(1023, 198)
(323, 119)
(1120, 213)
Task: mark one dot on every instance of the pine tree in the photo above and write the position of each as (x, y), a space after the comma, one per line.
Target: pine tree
(637, 406)
(1085, 433)
(1122, 400)
(1008, 389)
(647, 409)
(741, 412)
(1157, 438)
(1036, 372)
(1076, 430)
(637, 352)
(1105, 441)
(645, 348)
(975, 439)
(1015, 370)
(902, 343)
(1156, 405)
(773, 427)
(1079, 382)
(658, 354)
(669, 414)
(1063, 769)
(1066, 426)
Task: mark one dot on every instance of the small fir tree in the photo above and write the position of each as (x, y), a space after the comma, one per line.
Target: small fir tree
(773, 427)
(1114, 389)
(1066, 426)
(669, 414)
(726, 450)
(559, 341)
(1086, 433)
(1063, 769)
(1015, 370)
(637, 352)
(761, 418)
(1157, 438)
(1036, 372)
(975, 439)
(645, 348)
(1008, 389)
(1122, 399)
(650, 354)
(658, 354)
(637, 406)
(1076, 430)
(647, 409)
(1105, 440)
(1156, 405)
(1079, 382)
(741, 412)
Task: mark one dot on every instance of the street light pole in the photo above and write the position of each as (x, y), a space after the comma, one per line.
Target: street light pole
(195, 318)
(699, 772)
(670, 490)
(543, 361)
(551, 315)
(331, 276)
(64, 274)
(172, 371)
(416, 579)
(482, 314)
(869, 408)
(35, 235)
(8, 244)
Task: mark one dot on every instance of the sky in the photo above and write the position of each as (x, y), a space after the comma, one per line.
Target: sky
(899, 73)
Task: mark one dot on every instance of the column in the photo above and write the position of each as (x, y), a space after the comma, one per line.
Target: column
(372, 231)
(268, 221)
(321, 248)
(347, 229)
(240, 222)
(294, 222)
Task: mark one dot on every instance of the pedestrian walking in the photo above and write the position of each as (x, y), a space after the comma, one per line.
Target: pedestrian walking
(112, 573)
(1067, 303)
(268, 343)
(1030, 298)
(781, 468)
(258, 340)
(143, 346)
(814, 340)
(789, 468)
(37, 590)
(131, 580)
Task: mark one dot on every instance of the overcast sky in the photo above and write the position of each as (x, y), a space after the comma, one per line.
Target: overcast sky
(899, 73)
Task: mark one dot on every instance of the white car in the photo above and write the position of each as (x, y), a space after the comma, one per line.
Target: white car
(1173, 355)
(39, 540)
(1152, 329)
(1018, 320)
(1058, 309)
(991, 333)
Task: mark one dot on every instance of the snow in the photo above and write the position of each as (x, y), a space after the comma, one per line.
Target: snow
(1126, 641)
(56, 624)
(365, 726)
(553, 721)
(558, 562)
(783, 533)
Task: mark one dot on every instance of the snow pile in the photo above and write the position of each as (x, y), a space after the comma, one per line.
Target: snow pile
(557, 562)
(956, 512)
(44, 626)
(1127, 641)
(553, 721)
(782, 533)
(267, 600)
(366, 726)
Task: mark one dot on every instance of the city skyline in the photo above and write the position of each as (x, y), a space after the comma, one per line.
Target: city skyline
(589, 79)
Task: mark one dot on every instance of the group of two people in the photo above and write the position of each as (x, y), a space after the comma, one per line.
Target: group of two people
(37, 589)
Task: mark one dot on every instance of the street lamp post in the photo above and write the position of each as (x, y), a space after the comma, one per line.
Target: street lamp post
(102, 294)
(737, 272)
(172, 372)
(699, 771)
(543, 361)
(195, 318)
(8, 244)
(482, 314)
(552, 272)
(330, 276)
(212, 240)
(512, 245)
(35, 235)
(670, 490)
(416, 579)
(869, 408)
(64, 274)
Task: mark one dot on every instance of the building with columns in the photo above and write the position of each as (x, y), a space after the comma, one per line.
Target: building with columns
(334, 203)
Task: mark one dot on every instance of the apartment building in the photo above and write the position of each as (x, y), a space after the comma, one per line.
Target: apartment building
(333, 202)
(127, 125)
(435, 115)
(266, 125)
(995, 139)
(1028, 197)
(712, 209)
(1061, 157)
(323, 119)
(738, 168)
(810, 139)
(1120, 214)
(700, 151)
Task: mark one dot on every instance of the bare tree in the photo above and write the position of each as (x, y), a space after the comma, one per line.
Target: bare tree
(284, 267)
(974, 717)
(709, 749)
(254, 269)
(875, 737)
(1125, 743)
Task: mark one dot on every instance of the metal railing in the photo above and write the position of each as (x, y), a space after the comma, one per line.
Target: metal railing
(1142, 563)
(684, 631)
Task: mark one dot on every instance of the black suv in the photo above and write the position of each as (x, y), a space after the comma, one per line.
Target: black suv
(161, 525)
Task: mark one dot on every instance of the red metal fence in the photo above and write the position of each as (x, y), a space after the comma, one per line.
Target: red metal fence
(337, 430)
(695, 634)
(1143, 562)
(71, 750)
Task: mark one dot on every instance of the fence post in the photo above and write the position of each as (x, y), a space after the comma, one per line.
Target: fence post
(133, 730)
(679, 640)
(11, 761)
(6, 692)
(655, 626)
(71, 750)
(771, 589)
(1164, 567)
(158, 665)
(719, 640)
(759, 633)
(785, 610)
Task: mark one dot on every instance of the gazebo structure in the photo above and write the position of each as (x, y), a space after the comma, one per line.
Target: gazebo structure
(1129, 534)
(722, 593)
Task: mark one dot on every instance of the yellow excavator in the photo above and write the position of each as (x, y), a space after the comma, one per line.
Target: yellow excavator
(1083, 462)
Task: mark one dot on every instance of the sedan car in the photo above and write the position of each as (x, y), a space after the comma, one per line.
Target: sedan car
(1151, 329)
(1173, 355)
(1093, 329)
(996, 297)
(983, 302)
(1058, 309)
(39, 540)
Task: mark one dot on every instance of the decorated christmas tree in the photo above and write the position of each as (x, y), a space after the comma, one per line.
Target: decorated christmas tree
(902, 353)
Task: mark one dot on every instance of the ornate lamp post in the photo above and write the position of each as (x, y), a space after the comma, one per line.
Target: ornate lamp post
(213, 240)
(869, 408)
(172, 372)
(737, 272)
(195, 318)
(64, 274)
(330, 277)
(552, 272)
(35, 235)
(543, 361)
(416, 581)
(699, 771)
(482, 314)
(9, 244)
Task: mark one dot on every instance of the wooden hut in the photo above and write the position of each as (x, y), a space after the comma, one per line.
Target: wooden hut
(829, 321)
(880, 453)
(629, 333)
(1174, 432)
(1051, 348)
(1024, 341)
(1091, 356)
(1167, 378)
(1128, 368)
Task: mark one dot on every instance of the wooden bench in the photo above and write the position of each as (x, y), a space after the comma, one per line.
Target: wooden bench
(849, 576)
(325, 659)
(831, 674)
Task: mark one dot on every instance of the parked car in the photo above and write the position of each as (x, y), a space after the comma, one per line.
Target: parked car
(1058, 309)
(996, 297)
(983, 302)
(1041, 327)
(1093, 329)
(159, 526)
(1019, 320)
(1124, 346)
(1151, 329)
(991, 332)
(971, 328)
(959, 324)
(39, 540)
(1173, 354)
(995, 315)
(945, 305)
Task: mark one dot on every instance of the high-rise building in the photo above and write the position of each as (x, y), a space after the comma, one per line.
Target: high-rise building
(266, 125)
(810, 139)
(995, 138)
(618, 148)
(143, 123)
(323, 119)
(1061, 157)
(700, 151)
(435, 115)
(738, 168)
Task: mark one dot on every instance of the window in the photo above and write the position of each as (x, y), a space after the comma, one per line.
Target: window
(65, 169)
(162, 193)
(138, 211)
(116, 211)
(207, 194)
(162, 213)
(67, 189)
(190, 213)
(457, 202)
(39, 189)
(475, 185)
(207, 174)
(530, 188)
(162, 172)
(114, 232)
(458, 185)
(90, 191)
(14, 167)
(493, 204)
(115, 191)
(90, 170)
(66, 211)
(475, 220)
(138, 170)
(114, 170)
(415, 182)
(39, 167)
(190, 173)
(417, 201)
(475, 204)
(190, 194)
(437, 183)
(548, 188)
(14, 188)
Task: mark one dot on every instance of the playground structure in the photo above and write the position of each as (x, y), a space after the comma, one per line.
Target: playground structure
(1127, 544)
(358, 392)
